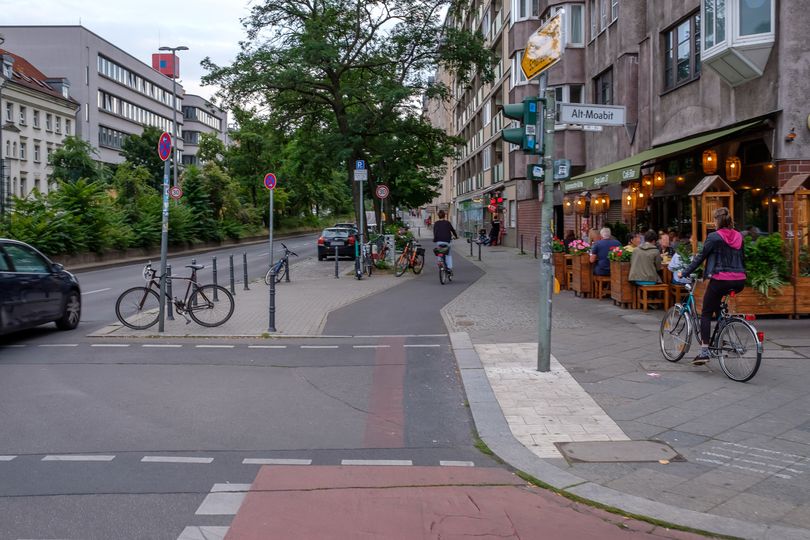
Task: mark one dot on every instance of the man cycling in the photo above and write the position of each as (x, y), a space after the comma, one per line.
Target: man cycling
(443, 234)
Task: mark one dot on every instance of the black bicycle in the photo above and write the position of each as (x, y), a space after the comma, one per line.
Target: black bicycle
(207, 305)
(281, 267)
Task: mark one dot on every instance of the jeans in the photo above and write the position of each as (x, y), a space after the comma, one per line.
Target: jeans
(715, 292)
(448, 259)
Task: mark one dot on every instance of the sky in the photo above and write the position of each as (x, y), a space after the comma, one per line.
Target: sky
(207, 27)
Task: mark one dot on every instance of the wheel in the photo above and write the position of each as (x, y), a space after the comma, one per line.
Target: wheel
(205, 310)
(402, 264)
(369, 265)
(267, 277)
(418, 264)
(676, 333)
(282, 273)
(72, 314)
(449, 275)
(739, 351)
(442, 275)
(138, 308)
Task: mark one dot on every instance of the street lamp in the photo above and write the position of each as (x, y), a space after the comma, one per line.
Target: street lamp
(174, 108)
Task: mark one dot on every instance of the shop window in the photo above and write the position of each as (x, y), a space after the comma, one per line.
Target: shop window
(682, 52)
(603, 88)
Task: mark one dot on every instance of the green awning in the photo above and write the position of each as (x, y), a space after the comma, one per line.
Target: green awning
(630, 168)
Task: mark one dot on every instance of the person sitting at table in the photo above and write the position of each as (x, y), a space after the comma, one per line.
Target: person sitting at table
(663, 242)
(646, 261)
(600, 250)
(680, 260)
(634, 241)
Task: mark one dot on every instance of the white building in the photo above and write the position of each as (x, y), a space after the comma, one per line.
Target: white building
(201, 116)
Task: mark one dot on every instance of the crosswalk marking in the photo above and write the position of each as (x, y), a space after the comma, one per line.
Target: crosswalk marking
(276, 461)
(203, 533)
(176, 459)
(223, 500)
(376, 462)
(75, 457)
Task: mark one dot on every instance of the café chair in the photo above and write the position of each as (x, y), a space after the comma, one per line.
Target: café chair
(652, 295)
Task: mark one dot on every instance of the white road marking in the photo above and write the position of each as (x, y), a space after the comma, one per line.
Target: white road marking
(230, 488)
(274, 461)
(110, 345)
(96, 291)
(224, 500)
(207, 532)
(421, 345)
(751, 469)
(399, 335)
(7, 458)
(213, 346)
(161, 346)
(176, 459)
(371, 346)
(78, 458)
(319, 346)
(456, 463)
(376, 462)
(59, 345)
(267, 346)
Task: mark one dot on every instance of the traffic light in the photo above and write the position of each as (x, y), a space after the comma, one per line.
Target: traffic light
(526, 135)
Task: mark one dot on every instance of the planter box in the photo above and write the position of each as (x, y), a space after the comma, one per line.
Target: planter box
(751, 302)
(802, 295)
(621, 290)
(559, 270)
(581, 274)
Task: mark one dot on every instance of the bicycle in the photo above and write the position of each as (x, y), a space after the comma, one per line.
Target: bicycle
(281, 267)
(445, 274)
(379, 258)
(412, 256)
(734, 341)
(362, 259)
(208, 305)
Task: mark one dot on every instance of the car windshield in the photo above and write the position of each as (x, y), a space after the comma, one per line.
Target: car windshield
(335, 233)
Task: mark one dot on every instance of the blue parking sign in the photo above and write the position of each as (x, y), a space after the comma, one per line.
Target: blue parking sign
(359, 164)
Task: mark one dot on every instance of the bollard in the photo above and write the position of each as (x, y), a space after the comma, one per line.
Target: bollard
(336, 263)
(170, 303)
(272, 309)
(233, 283)
(419, 232)
(470, 240)
(216, 291)
(521, 245)
(479, 251)
(244, 270)
(535, 247)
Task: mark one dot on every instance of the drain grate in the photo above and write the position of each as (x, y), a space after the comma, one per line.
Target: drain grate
(617, 451)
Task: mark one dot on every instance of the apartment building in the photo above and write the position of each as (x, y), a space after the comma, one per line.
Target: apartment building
(38, 112)
(119, 94)
(201, 116)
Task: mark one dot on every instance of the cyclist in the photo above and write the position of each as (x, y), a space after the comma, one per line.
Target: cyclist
(443, 234)
(725, 268)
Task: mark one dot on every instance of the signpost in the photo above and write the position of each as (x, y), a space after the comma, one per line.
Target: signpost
(270, 184)
(594, 115)
(382, 191)
(360, 175)
(175, 192)
(164, 151)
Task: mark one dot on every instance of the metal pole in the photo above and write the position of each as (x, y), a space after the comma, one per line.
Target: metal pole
(271, 306)
(479, 251)
(216, 290)
(535, 247)
(546, 265)
(336, 263)
(194, 298)
(233, 283)
(244, 270)
(521, 245)
(271, 327)
(174, 126)
(169, 313)
(362, 235)
(164, 246)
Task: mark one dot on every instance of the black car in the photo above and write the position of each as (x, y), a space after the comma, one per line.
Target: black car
(339, 237)
(34, 290)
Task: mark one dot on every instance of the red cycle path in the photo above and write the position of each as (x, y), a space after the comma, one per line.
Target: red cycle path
(383, 502)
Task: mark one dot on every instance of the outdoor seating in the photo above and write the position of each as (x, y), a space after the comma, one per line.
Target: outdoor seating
(652, 295)
(676, 292)
(601, 286)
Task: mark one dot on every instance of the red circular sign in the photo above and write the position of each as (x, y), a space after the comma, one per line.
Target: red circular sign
(270, 181)
(492, 208)
(382, 191)
(165, 146)
(175, 192)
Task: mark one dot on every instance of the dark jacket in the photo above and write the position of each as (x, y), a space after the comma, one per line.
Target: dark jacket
(722, 252)
(443, 231)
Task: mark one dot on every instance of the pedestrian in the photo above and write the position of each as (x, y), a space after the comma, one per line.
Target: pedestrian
(646, 261)
(495, 231)
(600, 250)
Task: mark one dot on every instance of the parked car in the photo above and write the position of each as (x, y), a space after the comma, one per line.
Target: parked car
(34, 290)
(343, 238)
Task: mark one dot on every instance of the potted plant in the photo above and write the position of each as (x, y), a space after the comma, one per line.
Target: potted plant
(581, 273)
(621, 290)
(558, 254)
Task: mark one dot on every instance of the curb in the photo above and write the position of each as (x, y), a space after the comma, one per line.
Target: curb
(494, 430)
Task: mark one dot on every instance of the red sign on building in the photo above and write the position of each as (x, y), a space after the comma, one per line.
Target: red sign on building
(167, 64)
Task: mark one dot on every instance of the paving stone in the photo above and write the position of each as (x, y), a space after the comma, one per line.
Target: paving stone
(680, 439)
(799, 516)
(645, 482)
(670, 417)
(751, 507)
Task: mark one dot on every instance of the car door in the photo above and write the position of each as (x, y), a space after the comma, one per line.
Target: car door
(40, 289)
(10, 297)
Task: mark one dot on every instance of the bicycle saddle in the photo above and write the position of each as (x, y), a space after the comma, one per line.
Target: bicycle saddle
(195, 266)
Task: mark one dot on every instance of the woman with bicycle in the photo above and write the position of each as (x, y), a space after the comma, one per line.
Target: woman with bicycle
(725, 269)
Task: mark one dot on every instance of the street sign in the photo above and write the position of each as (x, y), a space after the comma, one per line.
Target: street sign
(270, 181)
(164, 146)
(590, 114)
(534, 171)
(175, 192)
(562, 169)
(360, 164)
(382, 191)
(544, 48)
(360, 175)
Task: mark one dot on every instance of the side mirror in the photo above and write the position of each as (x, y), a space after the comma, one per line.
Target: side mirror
(57, 267)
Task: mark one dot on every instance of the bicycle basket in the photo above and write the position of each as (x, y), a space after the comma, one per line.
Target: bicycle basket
(441, 250)
(420, 251)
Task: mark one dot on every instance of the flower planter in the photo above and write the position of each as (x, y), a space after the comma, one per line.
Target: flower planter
(581, 274)
(750, 301)
(559, 270)
(802, 296)
(621, 290)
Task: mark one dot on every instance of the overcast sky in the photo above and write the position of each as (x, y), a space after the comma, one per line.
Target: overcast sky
(208, 27)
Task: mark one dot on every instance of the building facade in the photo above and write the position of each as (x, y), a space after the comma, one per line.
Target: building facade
(201, 116)
(38, 112)
(118, 93)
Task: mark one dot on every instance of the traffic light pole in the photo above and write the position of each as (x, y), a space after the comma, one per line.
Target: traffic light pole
(546, 216)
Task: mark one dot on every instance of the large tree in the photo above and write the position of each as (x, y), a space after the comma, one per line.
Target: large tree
(352, 69)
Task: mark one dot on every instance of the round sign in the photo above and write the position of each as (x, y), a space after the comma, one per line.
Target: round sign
(270, 181)
(165, 146)
(382, 191)
(175, 192)
(492, 208)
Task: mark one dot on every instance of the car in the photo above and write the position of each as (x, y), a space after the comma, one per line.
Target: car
(34, 290)
(339, 237)
(345, 226)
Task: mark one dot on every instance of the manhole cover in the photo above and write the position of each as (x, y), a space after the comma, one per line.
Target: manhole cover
(617, 451)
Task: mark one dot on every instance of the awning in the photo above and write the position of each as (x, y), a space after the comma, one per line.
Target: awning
(796, 181)
(630, 168)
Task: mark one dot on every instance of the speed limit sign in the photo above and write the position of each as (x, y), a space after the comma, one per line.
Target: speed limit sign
(175, 192)
(382, 191)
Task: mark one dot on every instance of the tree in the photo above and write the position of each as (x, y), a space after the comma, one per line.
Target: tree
(211, 148)
(74, 160)
(141, 150)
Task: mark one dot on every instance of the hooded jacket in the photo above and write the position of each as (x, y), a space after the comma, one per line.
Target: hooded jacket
(723, 254)
(645, 263)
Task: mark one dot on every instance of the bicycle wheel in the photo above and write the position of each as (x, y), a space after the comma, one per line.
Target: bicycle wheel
(675, 334)
(442, 274)
(418, 264)
(368, 264)
(138, 308)
(283, 273)
(402, 264)
(738, 349)
(205, 310)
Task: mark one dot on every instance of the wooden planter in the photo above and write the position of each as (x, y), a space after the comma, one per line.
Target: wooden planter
(560, 271)
(621, 290)
(802, 296)
(751, 302)
(581, 274)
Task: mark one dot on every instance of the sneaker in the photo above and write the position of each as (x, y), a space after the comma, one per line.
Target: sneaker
(701, 359)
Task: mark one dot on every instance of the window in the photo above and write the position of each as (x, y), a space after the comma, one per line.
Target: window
(68, 126)
(614, 10)
(755, 17)
(25, 259)
(8, 148)
(59, 124)
(36, 153)
(575, 23)
(23, 115)
(9, 112)
(486, 158)
(593, 18)
(715, 11)
(682, 52)
(603, 86)
(524, 9)
(512, 214)
(487, 112)
(111, 138)
(14, 150)
(23, 151)
(518, 77)
(48, 122)
(23, 186)
(36, 119)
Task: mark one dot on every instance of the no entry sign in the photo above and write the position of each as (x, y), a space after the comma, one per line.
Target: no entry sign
(382, 191)
(270, 181)
(165, 146)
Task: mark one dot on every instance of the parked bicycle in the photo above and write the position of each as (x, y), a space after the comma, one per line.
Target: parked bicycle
(362, 259)
(412, 256)
(735, 341)
(281, 267)
(380, 255)
(445, 274)
(207, 305)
